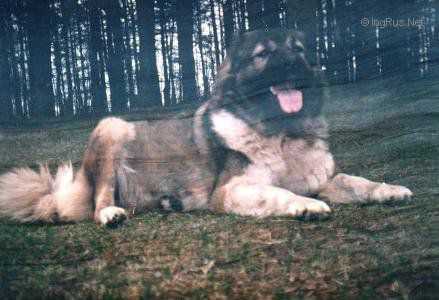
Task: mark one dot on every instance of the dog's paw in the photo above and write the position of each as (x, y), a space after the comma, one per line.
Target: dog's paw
(387, 192)
(308, 208)
(112, 215)
(320, 175)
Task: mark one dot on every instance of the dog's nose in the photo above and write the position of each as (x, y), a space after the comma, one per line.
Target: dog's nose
(294, 66)
(289, 58)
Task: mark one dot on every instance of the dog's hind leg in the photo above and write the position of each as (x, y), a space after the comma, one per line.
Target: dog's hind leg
(348, 189)
(102, 159)
(106, 212)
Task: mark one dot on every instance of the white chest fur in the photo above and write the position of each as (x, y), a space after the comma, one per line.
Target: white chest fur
(293, 164)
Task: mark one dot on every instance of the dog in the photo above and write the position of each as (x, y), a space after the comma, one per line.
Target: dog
(258, 147)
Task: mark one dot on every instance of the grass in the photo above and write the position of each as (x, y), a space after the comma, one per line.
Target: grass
(361, 251)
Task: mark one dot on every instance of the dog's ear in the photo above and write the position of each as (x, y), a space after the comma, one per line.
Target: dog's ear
(297, 37)
(225, 79)
(241, 48)
(225, 69)
(234, 52)
(300, 35)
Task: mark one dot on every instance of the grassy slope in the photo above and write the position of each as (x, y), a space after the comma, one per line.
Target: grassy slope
(365, 251)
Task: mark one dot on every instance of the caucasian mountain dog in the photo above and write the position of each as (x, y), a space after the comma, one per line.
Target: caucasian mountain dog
(257, 147)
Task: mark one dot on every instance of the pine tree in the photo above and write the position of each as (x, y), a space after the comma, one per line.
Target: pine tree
(148, 80)
(99, 100)
(6, 112)
(185, 25)
(38, 27)
(115, 55)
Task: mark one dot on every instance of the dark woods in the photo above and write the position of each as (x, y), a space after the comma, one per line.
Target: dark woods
(64, 58)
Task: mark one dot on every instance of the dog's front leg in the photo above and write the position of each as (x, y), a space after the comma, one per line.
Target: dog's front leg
(265, 200)
(348, 189)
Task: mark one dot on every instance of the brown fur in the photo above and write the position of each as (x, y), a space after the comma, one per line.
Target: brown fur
(239, 154)
(102, 159)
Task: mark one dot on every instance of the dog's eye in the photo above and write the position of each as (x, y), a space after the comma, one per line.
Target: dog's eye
(263, 54)
(297, 48)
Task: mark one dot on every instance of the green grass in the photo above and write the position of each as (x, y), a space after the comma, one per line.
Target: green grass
(362, 251)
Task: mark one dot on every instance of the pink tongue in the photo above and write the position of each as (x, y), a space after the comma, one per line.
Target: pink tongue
(291, 101)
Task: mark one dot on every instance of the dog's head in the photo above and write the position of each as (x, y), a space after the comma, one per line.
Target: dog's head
(267, 79)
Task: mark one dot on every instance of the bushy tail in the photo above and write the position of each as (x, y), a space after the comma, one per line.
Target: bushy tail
(29, 196)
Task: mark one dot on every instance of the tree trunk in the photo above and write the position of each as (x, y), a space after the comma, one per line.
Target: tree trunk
(136, 46)
(39, 52)
(271, 13)
(185, 25)
(229, 30)
(342, 36)
(148, 81)
(21, 78)
(76, 79)
(128, 66)
(212, 68)
(99, 101)
(364, 45)
(66, 14)
(206, 90)
(16, 64)
(81, 69)
(59, 73)
(116, 54)
(170, 58)
(163, 34)
(221, 30)
(6, 112)
(242, 18)
(215, 32)
(254, 9)
(393, 40)
(434, 56)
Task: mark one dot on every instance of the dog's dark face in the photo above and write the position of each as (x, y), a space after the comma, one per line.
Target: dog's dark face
(270, 80)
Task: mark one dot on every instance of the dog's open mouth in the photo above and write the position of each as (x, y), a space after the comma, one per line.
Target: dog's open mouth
(290, 98)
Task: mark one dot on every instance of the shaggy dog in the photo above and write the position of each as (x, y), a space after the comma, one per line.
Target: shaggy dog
(257, 147)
